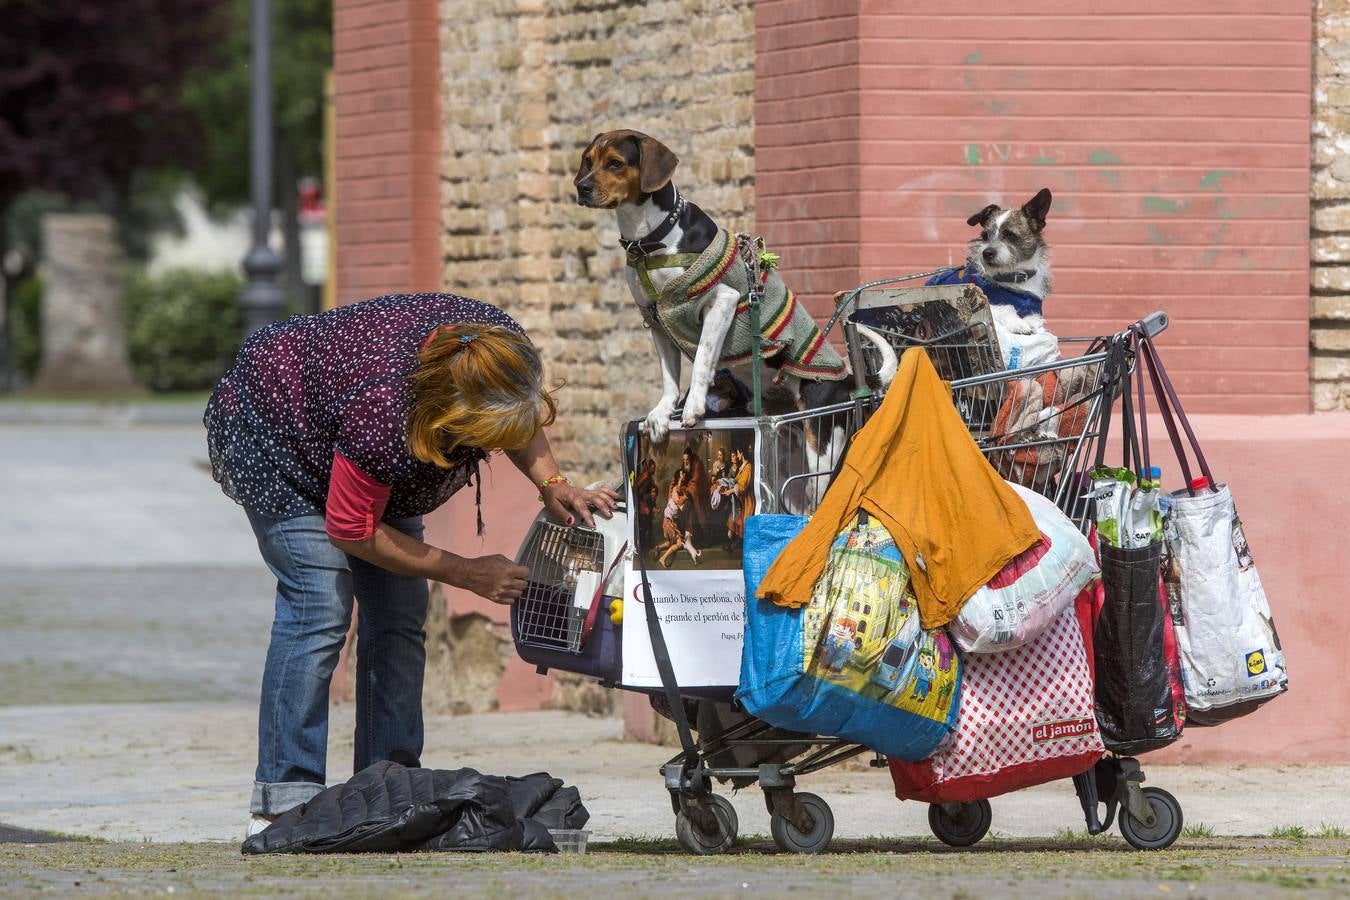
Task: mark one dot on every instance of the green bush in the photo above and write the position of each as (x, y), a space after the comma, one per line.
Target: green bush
(183, 327)
(27, 330)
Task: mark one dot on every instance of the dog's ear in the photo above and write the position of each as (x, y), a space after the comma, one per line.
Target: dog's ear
(983, 215)
(1037, 208)
(656, 163)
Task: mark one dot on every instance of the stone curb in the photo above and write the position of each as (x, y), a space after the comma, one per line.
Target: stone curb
(110, 415)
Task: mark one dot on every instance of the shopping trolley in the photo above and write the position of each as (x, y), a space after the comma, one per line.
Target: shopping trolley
(1038, 426)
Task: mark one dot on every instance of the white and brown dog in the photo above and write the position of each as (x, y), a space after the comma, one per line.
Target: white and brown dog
(684, 273)
(1010, 262)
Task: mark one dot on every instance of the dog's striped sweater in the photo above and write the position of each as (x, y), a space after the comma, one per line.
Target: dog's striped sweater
(787, 328)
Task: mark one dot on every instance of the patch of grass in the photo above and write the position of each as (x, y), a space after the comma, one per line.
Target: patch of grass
(1289, 832)
(1072, 837)
(635, 843)
(1334, 832)
(1197, 830)
(625, 869)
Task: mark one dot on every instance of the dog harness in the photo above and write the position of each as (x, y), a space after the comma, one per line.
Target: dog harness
(791, 339)
(1025, 304)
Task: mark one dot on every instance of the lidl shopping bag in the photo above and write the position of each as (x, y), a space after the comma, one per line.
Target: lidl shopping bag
(853, 663)
(1030, 592)
(1026, 718)
(1231, 659)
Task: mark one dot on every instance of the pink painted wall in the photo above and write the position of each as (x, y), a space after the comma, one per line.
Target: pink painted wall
(1173, 133)
(807, 130)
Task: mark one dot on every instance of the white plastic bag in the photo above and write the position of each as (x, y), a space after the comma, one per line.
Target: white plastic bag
(1031, 591)
(1231, 658)
(1023, 340)
(1127, 508)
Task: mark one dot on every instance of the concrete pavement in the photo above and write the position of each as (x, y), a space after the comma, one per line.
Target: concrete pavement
(182, 772)
(133, 619)
(81, 496)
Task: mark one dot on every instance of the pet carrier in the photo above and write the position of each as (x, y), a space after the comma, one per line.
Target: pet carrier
(562, 618)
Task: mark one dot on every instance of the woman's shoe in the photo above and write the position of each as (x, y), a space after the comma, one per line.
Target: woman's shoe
(257, 824)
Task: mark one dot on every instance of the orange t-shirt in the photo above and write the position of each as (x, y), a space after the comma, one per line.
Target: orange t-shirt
(915, 467)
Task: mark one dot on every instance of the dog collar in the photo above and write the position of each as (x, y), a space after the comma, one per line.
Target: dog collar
(651, 242)
(1016, 277)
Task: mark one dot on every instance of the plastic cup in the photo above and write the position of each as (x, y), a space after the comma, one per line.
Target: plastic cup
(570, 840)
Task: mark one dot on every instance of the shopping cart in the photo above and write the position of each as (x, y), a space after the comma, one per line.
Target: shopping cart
(1038, 426)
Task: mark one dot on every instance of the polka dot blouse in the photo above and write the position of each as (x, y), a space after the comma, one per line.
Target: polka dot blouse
(305, 388)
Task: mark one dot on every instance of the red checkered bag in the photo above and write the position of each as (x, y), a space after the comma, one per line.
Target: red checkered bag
(1026, 718)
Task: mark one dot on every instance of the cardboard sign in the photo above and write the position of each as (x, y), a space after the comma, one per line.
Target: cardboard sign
(688, 502)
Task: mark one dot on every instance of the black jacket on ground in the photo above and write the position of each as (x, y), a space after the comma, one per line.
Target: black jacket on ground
(388, 807)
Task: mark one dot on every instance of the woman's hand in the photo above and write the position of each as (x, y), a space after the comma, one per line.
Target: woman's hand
(494, 578)
(569, 503)
(561, 499)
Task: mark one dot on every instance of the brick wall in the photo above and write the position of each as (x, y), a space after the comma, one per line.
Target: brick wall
(387, 152)
(525, 86)
(1172, 132)
(1331, 208)
(806, 142)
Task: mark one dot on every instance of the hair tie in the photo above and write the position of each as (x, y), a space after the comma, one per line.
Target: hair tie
(467, 338)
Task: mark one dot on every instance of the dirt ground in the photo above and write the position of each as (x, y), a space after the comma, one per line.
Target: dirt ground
(1055, 868)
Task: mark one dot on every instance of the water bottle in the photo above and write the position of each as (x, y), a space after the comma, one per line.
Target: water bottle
(1164, 498)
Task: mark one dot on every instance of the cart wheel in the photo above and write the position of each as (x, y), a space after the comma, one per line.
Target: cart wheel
(708, 843)
(1166, 822)
(790, 840)
(960, 824)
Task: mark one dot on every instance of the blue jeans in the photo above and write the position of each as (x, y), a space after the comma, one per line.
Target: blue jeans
(315, 586)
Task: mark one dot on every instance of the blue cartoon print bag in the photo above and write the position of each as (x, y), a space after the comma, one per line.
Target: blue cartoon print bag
(854, 663)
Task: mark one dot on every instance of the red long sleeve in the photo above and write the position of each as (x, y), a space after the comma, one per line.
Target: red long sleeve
(355, 501)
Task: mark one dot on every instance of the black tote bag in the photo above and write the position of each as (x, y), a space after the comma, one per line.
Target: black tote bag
(1140, 701)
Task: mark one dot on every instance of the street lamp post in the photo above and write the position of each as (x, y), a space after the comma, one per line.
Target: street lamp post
(262, 297)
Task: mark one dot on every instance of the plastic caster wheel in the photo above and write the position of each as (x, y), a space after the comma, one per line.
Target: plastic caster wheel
(1166, 825)
(790, 840)
(960, 824)
(703, 843)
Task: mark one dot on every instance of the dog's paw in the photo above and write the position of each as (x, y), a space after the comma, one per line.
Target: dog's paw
(694, 410)
(658, 424)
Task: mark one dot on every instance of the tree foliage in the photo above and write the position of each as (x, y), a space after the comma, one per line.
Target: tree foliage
(302, 52)
(89, 91)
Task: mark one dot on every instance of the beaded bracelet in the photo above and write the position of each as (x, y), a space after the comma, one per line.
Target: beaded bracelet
(550, 481)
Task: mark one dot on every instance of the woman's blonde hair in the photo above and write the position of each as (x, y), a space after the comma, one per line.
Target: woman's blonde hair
(476, 386)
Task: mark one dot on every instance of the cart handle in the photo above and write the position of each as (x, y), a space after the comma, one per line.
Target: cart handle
(1155, 323)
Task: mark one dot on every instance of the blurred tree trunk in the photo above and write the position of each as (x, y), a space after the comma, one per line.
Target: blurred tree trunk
(84, 339)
